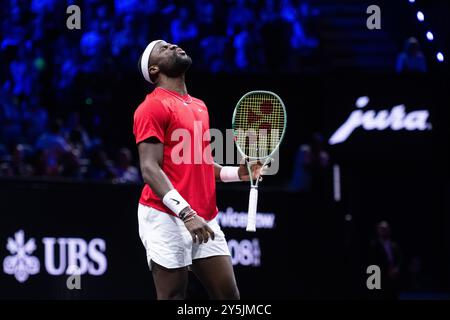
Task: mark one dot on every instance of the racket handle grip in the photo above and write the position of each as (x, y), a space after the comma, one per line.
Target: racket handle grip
(252, 204)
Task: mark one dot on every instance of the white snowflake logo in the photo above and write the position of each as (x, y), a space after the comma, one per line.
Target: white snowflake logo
(20, 263)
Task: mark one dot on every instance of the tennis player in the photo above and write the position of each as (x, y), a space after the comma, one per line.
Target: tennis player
(177, 207)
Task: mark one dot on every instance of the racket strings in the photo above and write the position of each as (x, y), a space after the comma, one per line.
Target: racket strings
(259, 124)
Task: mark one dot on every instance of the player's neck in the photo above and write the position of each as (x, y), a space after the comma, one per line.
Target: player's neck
(174, 84)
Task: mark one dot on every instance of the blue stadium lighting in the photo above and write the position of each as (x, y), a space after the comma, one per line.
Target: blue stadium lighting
(412, 1)
(430, 36)
(420, 16)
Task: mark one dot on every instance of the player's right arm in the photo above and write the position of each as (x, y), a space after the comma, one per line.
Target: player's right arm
(151, 155)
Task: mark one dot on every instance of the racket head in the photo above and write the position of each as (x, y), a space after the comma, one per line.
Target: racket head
(259, 124)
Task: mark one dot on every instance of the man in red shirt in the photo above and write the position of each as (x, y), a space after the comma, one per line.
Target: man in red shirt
(177, 208)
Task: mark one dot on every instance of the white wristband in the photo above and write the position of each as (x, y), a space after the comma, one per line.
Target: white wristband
(229, 174)
(174, 201)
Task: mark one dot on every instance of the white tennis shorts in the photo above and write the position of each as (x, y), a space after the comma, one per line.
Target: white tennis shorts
(168, 242)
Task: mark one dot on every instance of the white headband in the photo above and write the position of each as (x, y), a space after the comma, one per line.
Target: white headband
(145, 58)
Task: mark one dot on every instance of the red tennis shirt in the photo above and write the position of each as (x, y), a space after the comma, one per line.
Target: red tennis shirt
(183, 128)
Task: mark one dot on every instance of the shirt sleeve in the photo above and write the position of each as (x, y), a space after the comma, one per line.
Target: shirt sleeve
(151, 119)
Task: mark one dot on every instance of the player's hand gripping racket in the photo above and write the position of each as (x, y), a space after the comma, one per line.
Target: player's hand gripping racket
(259, 123)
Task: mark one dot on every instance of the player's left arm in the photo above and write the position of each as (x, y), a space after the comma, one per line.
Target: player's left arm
(232, 174)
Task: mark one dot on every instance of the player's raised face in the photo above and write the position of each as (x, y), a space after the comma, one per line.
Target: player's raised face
(169, 59)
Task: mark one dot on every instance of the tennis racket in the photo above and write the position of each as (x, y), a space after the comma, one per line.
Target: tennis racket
(259, 124)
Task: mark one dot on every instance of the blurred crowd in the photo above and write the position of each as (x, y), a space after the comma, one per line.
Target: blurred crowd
(42, 132)
(231, 35)
(65, 149)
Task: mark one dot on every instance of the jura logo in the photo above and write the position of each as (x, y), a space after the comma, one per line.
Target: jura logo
(395, 119)
(61, 256)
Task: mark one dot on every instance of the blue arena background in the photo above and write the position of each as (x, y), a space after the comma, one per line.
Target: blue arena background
(69, 176)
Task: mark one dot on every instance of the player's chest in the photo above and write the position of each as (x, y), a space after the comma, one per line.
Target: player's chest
(190, 117)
